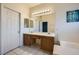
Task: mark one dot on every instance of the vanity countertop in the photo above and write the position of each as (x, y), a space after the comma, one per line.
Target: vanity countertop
(42, 34)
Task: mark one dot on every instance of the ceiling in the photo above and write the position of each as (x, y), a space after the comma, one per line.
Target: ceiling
(32, 4)
(25, 4)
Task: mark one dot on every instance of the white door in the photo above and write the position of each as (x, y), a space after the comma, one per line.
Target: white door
(10, 29)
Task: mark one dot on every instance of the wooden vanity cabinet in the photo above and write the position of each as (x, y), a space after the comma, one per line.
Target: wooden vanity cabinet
(46, 43)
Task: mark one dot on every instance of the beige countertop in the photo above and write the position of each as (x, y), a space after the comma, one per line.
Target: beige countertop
(42, 34)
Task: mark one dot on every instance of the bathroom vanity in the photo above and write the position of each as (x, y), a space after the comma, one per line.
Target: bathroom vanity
(46, 40)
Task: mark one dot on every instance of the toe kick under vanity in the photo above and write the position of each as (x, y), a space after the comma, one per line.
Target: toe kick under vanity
(46, 40)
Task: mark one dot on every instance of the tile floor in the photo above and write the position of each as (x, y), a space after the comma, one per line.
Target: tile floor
(27, 51)
(58, 50)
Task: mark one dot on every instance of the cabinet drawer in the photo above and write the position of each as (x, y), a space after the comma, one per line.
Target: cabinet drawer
(35, 36)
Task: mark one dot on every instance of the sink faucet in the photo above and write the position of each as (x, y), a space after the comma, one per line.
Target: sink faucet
(48, 32)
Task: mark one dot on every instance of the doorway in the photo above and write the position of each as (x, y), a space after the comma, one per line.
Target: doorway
(44, 26)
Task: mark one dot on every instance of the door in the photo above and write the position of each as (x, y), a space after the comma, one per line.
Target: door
(10, 29)
(44, 26)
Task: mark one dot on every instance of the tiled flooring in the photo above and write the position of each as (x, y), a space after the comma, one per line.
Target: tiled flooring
(27, 51)
(58, 50)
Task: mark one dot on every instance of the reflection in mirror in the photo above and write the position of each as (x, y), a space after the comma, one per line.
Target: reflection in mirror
(26, 23)
(31, 23)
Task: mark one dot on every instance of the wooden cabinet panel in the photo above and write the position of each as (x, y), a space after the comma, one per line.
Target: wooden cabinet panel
(35, 36)
(27, 41)
(47, 44)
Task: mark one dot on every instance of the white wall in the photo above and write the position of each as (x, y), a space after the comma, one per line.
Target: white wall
(0, 29)
(24, 10)
(66, 31)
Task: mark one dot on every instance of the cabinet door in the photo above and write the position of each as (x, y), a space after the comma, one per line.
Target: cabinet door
(47, 44)
(9, 30)
(27, 40)
(43, 43)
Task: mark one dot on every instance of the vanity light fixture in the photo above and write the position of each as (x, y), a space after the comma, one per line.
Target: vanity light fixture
(43, 12)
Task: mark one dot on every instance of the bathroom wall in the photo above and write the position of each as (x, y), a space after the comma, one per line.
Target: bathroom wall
(66, 31)
(0, 29)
